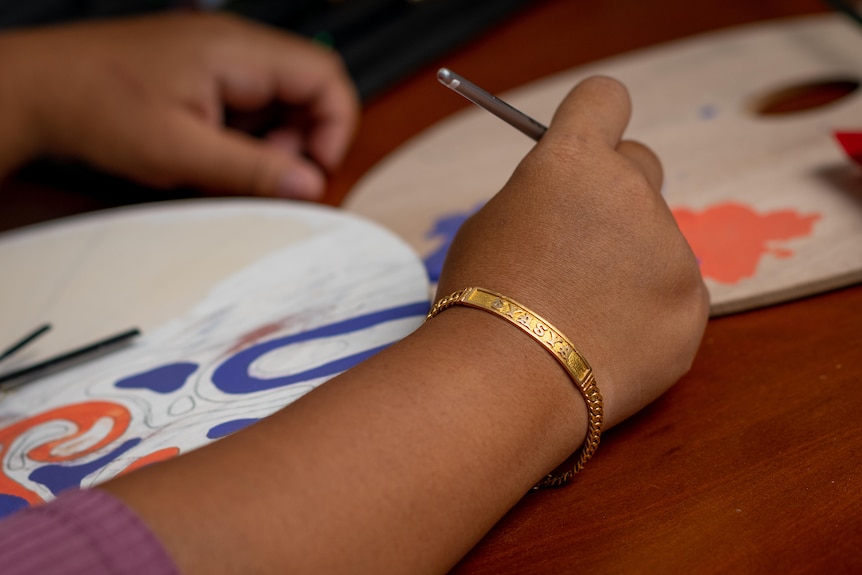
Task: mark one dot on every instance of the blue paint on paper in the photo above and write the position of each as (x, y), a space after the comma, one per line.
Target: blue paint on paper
(164, 379)
(60, 477)
(232, 376)
(9, 504)
(444, 228)
(228, 427)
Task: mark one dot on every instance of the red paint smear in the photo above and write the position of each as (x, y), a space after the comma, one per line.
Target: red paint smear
(730, 239)
(852, 144)
(253, 336)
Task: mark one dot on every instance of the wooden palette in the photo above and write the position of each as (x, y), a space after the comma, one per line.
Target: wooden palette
(770, 203)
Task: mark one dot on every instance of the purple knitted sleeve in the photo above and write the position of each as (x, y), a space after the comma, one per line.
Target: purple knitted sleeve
(82, 531)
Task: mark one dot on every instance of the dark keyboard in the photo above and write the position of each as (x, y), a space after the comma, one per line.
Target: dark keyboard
(381, 41)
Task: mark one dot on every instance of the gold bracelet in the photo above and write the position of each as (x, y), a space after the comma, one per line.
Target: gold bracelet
(559, 346)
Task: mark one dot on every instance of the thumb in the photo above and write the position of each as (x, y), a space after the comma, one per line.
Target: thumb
(226, 161)
(597, 108)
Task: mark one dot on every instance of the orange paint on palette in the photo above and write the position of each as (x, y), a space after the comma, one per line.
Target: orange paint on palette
(730, 239)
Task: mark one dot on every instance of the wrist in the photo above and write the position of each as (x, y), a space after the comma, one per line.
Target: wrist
(510, 361)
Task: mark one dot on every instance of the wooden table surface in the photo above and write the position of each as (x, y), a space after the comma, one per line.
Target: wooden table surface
(750, 463)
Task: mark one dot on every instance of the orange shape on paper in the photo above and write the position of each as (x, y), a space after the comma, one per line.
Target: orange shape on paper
(730, 239)
(83, 416)
(154, 457)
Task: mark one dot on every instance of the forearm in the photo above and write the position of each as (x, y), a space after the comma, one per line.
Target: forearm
(399, 465)
(403, 463)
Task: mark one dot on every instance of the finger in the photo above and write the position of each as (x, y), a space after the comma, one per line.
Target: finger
(597, 108)
(298, 73)
(333, 109)
(288, 140)
(226, 161)
(645, 160)
(331, 136)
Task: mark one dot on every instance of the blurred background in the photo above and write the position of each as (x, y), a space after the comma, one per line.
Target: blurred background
(380, 40)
